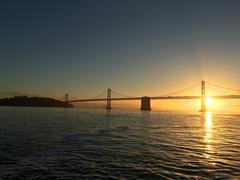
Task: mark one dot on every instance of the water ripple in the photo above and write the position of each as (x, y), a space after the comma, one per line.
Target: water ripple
(42, 143)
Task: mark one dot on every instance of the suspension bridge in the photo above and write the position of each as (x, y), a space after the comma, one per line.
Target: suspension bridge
(146, 100)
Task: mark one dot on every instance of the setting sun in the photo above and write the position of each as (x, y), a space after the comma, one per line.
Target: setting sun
(209, 100)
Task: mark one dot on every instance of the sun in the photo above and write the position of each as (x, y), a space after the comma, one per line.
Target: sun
(208, 100)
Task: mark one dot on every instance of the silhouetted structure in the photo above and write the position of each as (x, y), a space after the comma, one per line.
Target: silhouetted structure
(109, 99)
(146, 100)
(33, 102)
(66, 100)
(146, 103)
(203, 97)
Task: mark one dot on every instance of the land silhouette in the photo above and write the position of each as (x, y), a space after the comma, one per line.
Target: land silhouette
(33, 102)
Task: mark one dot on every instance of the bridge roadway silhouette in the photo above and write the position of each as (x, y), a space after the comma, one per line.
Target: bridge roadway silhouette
(158, 98)
(146, 100)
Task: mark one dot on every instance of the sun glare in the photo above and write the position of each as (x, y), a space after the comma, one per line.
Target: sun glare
(209, 100)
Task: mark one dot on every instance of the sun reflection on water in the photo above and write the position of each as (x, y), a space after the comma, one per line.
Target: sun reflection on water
(208, 122)
(208, 138)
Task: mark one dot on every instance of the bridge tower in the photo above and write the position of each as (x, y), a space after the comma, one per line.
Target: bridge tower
(203, 97)
(66, 100)
(109, 99)
(146, 103)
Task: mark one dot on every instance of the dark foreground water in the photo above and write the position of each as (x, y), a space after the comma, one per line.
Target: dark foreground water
(42, 143)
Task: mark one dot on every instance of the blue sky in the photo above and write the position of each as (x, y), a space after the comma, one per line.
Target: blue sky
(140, 47)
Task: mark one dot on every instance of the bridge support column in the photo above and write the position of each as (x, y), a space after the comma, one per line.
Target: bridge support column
(108, 99)
(203, 97)
(66, 100)
(146, 103)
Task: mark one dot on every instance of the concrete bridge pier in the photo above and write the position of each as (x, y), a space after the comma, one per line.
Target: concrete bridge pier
(146, 103)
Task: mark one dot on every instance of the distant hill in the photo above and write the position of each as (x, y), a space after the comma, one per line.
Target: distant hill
(33, 102)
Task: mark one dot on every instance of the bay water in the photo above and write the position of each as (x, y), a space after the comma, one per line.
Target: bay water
(58, 143)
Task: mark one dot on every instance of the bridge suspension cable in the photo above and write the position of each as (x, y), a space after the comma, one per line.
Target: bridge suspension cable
(182, 90)
(120, 94)
(223, 87)
(99, 95)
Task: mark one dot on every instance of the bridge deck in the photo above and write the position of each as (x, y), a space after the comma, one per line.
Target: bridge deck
(159, 98)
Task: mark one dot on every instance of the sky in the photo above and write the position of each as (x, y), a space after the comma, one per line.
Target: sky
(137, 47)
